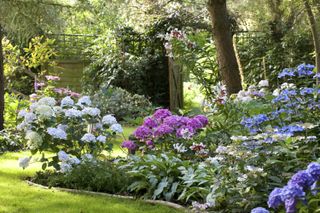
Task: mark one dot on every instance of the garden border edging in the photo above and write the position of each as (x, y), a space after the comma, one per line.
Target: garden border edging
(76, 191)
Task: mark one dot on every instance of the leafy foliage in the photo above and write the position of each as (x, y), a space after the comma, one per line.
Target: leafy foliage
(101, 176)
(122, 104)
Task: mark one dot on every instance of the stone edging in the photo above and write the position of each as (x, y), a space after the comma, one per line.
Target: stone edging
(162, 202)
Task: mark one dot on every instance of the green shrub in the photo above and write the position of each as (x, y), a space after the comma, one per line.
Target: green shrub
(101, 176)
(122, 104)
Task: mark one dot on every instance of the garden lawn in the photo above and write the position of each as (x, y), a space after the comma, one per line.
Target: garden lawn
(17, 196)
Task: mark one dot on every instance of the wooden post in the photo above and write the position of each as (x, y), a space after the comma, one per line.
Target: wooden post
(175, 85)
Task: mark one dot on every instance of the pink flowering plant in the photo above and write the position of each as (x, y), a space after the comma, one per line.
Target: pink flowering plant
(166, 132)
(73, 129)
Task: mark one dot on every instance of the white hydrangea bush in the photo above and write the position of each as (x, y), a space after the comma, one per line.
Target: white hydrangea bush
(73, 129)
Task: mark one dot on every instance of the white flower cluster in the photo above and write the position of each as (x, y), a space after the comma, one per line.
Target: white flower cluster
(34, 139)
(48, 101)
(253, 92)
(91, 111)
(109, 120)
(67, 162)
(72, 113)
(84, 101)
(180, 148)
(117, 128)
(67, 101)
(57, 133)
(283, 86)
(60, 118)
(89, 138)
(102, 138)
(24, 162)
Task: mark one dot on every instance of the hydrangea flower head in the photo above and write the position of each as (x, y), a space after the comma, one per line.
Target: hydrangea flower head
(24, 162)
(109, 120)
(291, 191)
(44, 111)
(306, 91)
(117, 128)
(130, 145)
(65, 167)
(49, 101)
(67, 101)
(290, 205)
(84, 100)
(63, 156)
(87, 157)
(203, 119)
(142, 132)
(302, 179)
(57, 133)
(286, 72)
(275, 200)
(185, 132)
(195, 123)
(263, 83)
(314, 170)
(92, 111)
(102, 138)
(161, 114)
(72, 113)
(34, 139)
(305, 70)
(162, 130)
(259, 210)
(88, 137)
(150, 122)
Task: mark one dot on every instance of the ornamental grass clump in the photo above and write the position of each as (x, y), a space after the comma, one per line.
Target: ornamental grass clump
(73, 129)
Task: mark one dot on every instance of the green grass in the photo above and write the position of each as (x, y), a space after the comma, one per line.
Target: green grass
(17, 196)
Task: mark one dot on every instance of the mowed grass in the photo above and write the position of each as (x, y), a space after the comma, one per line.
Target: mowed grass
(17, 196)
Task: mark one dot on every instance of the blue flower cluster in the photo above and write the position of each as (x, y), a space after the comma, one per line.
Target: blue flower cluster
(290, 129)
(294, 191)
(254, 122)
(302, 70)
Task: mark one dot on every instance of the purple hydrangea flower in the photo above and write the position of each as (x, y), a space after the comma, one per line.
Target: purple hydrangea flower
(259, 210)
(314, 170)
(161, 114)
(129, 145)
(291, 191)
(162, 130)
(203, 119)
(291, 129)
(252, 123)
(185, 132)
(306, 91)
(317, 76)
(314, 188)
(301, 178)
(150, 143)
(149, 122)
(143, 132)
(195, 123)
(305, 69)
(286, 72)
(275, 200)
(290, 205)
(173, 121)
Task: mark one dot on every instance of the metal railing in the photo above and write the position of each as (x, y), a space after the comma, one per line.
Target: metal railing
(72, 46)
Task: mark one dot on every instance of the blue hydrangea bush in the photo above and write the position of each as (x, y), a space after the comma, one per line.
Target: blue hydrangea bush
(72, 129)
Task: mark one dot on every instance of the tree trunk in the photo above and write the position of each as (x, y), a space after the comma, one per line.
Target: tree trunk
(1, 83)
(314, 30)
(226, 56)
